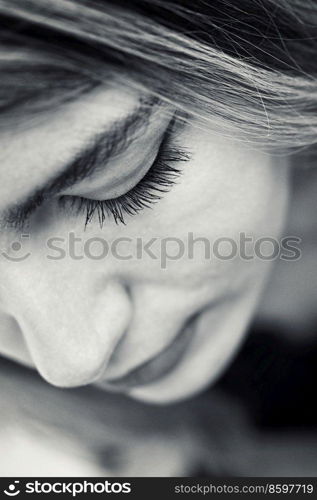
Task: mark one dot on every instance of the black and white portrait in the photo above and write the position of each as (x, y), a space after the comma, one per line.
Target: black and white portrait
(158, 238)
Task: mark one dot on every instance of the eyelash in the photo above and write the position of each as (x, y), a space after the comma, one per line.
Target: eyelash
(159, 179)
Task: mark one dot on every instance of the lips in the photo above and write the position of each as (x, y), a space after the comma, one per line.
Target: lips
(159, 366)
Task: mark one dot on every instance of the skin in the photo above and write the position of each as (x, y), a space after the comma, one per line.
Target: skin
(91, 321)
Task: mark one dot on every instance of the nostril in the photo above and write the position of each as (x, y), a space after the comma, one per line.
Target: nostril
(112, 314)
(12, 341)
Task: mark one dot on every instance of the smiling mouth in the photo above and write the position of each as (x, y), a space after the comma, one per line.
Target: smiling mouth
(159, 366)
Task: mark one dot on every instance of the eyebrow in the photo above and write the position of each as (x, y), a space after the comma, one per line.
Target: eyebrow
(99, 150)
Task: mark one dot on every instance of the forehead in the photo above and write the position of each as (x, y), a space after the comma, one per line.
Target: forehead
(35, 152)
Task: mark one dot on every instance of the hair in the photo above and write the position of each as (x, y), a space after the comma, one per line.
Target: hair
(245, 67)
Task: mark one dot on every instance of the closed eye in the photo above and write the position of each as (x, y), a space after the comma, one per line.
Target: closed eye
(158, 180)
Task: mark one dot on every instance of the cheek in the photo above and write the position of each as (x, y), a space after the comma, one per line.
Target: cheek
(226, 189)
(225, 193)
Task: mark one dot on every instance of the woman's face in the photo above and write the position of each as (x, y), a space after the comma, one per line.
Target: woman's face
(157, 317)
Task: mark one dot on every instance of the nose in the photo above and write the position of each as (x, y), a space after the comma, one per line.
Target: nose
(71, 328)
